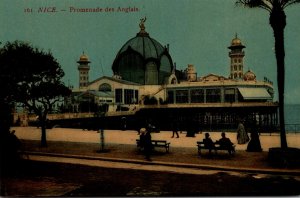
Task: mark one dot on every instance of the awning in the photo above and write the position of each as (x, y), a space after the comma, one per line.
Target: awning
(255, 93)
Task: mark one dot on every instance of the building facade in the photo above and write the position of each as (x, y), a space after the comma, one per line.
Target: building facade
(145, 80)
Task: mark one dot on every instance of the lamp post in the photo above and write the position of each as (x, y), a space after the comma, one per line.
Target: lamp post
(102, 143)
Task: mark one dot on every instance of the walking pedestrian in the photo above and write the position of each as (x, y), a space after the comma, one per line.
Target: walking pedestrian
(175, 129)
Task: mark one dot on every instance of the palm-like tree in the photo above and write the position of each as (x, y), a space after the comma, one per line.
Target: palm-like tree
(277, 21)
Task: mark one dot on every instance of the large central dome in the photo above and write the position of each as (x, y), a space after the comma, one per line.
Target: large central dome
(143, 60)
(145, 46)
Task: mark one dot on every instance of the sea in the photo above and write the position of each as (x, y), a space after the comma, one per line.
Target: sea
(292, 117)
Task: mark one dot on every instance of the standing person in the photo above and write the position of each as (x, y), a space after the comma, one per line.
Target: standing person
(175, 129)
(142, 134)
(147, 145)
(254, 144)
(242, 136)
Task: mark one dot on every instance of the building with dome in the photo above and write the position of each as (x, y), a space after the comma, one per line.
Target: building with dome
(145, 83)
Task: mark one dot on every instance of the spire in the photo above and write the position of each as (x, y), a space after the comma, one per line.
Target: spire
(174, 68)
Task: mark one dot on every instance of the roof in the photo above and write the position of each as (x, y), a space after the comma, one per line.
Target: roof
(144, 45)
(97, 93)
(114, 79)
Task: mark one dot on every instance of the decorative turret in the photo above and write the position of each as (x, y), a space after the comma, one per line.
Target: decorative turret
(191, 73)
(249, 76)
(236, 58)
(83, 69)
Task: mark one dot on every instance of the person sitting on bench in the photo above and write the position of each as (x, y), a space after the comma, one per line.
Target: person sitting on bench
(208, 143)
(225, 143)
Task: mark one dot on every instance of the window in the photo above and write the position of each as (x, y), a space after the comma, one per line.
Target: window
(229, 95)
(128, 96)
(170, 97)
(181, 96)
(197, 96)
(136, 95)
(119, 96)
(173, 81)
(213, 95)
(105, 87)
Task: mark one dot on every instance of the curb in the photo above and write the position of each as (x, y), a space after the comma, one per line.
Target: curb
(178, 165)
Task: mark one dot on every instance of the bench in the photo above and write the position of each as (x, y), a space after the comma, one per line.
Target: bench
(217, 147)
(156, 143)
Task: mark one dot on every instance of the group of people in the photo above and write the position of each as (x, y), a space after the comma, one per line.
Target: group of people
(242, 138)
(224, 142)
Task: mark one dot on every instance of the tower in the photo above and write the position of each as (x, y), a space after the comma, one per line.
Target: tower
(191, 73)
(83, 69)
(236, 58)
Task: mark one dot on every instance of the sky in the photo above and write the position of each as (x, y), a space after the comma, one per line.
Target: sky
(197, 31)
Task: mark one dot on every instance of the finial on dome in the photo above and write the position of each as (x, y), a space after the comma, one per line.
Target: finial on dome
(142, 23)
(142, 26)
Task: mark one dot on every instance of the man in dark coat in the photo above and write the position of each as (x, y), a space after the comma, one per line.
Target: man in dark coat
(147, 145)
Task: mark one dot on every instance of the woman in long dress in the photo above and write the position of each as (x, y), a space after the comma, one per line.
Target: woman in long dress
(242, 136)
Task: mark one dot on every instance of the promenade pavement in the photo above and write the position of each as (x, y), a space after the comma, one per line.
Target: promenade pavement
(83, 147)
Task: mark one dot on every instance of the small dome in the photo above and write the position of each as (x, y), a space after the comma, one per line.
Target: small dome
(249, 76)
(83, 59)
(236, 41)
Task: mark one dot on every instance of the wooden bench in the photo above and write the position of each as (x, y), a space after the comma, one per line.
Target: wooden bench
(217, 147)
(156, 143)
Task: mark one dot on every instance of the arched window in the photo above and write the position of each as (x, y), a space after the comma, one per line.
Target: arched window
(105, 87)
(174, 81)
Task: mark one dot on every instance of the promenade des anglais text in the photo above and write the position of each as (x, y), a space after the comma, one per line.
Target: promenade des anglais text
(74, 9)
